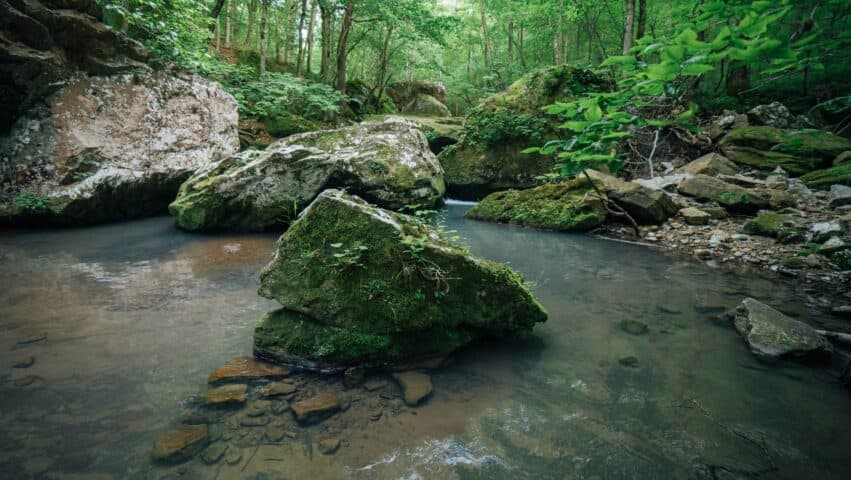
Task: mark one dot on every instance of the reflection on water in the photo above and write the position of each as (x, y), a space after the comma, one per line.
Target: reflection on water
(126, 321)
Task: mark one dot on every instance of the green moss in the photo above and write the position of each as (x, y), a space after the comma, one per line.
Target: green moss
(566, 206)
(772, 224)
(284, 333)
(840, 174)
(286, 123)
(34, 204)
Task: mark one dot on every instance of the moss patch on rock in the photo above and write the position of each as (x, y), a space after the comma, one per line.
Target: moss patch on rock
(840, 174)
(796, 151)
(565, 206)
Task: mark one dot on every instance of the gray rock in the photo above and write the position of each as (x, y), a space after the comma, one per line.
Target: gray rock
(824, 230)
(709, 164)
(695, 216)
(415, 386)
(733, 198)
(839, 195)
(388, 163)
(329, 446)
(213, 453)
(113, 148)
(772, 335)
(774, 114)
(668, 182)
(833, 245)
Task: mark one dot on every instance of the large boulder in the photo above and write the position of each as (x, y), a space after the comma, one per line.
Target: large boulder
(419, 97)
(796, 151)
(567, 206)
(732, 197)
(838, 175)
(425, 104)
(366, 286)
(772, 335)
(440, 132)
(111, 148)
(645, 205)
(711, 164)
(44, 43)
(386, 162)
(490, 155)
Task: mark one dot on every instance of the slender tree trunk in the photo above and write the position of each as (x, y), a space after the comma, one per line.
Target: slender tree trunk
(520, 52)
(310, 28)
(642, 18)
(252, 13)
(510, 42)
(287, 35)
(485, 41)
(263, 16)
(628, 22)
(217, 8)
(343, 44)
(278, 37)
(228, 15)
(325, 13)
(218, 35)
(300, 56)
(383, 62)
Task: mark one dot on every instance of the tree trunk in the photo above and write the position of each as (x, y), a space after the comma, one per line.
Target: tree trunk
(520, 51)
(263, 15)
(325, 13)
(382, 65)
(217, 8)
(342, 45)
(628, 22)
(738, 80)
(485, 44)
(278, 38)
(510, 43)
(300, 55)
(218, 35)
(228, 15)
(252, 13)
(310, 26)
(287, 35)
(642, 18)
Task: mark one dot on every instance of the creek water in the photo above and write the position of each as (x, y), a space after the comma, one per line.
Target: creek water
(122, 324)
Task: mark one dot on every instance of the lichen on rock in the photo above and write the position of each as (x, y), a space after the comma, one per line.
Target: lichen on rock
(386, 162)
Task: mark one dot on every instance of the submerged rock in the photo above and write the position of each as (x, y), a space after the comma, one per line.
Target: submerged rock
(386, 162)
(796, 151)
(113, 148)
(732, 197)
(361, 285)
(566, 206)
(316, 409)
(329, 446)
(225, 395)
(490, 155)
(416, 386)
(180, 444)
(241, 369)
(772, 335)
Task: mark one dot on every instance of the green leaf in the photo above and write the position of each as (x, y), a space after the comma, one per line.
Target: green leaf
(576, 126)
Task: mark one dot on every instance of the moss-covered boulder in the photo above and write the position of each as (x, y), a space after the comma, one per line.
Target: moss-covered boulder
(490, 155)
(796, 151)
(285, 124)
(386, 162)
(774, 225)
(366, 286)
(772, 335)
(733, 198)
(565, 206)
(838, 175)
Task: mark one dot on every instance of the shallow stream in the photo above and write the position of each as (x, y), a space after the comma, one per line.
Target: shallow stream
(124, 322)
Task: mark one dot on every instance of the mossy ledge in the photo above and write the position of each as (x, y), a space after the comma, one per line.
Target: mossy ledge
(564, 206)
(362, 285)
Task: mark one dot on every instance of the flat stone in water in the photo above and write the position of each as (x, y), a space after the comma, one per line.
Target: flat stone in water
(329, 446)
(213, 453)
(633, 327)
(33, 339)
(274, 434)
(233, 456)
(225, 395)
(26, 381)
(180, 443)
(416, 386)
(275, 389)
(375, 384)
(245, 369)
(260, 421)
(316, 409)
(771, 334)
(26, 362)
(630, 361)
